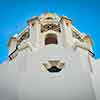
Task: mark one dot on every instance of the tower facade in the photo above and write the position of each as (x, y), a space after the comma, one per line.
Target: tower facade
(50, 60)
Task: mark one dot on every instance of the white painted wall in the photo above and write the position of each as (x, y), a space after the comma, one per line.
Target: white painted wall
(23, 79)
(96, 78)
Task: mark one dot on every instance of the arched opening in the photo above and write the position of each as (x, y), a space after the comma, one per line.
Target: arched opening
(51, 39)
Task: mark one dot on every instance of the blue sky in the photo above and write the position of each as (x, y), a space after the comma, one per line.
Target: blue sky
(14, 14)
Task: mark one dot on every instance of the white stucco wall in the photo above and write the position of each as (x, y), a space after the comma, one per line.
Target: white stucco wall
(23, 79)
(96, 77)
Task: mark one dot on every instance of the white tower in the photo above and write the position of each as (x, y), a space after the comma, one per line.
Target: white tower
(49, 60)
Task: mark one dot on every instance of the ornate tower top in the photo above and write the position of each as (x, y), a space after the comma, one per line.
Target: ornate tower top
(47, 29)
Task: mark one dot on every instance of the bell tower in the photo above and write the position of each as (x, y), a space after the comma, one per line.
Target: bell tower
(51, 30)
(53, 60)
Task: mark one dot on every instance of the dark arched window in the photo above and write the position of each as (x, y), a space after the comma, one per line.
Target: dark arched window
(51, 39)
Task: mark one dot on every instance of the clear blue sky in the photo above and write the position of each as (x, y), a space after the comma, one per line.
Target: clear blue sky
(14, 14)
